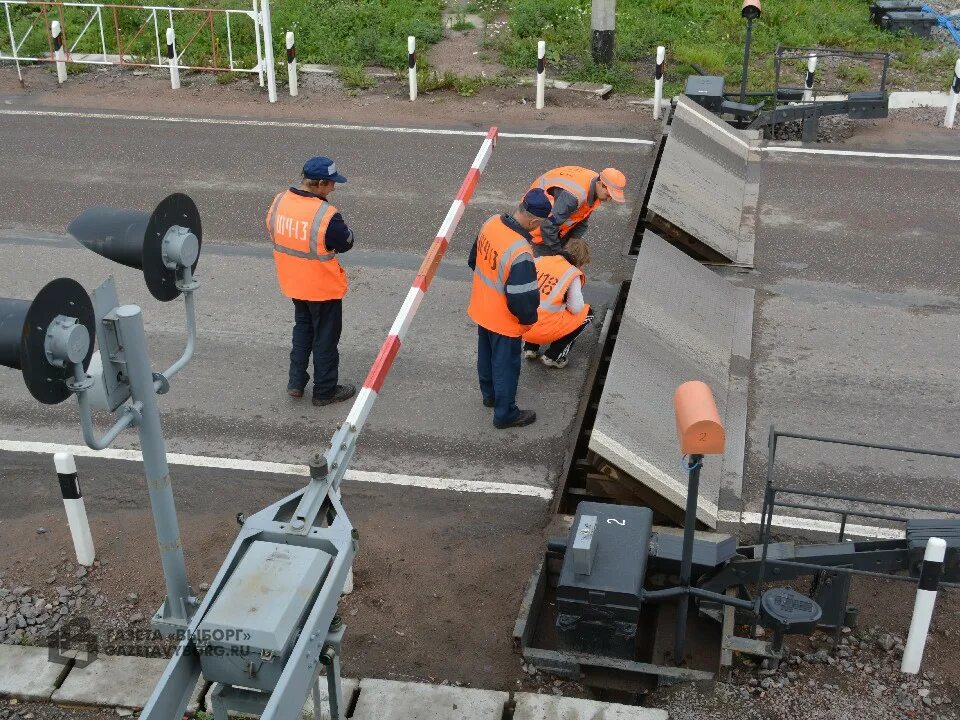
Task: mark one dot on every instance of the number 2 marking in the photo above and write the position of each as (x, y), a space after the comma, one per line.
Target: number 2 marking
(615, 521)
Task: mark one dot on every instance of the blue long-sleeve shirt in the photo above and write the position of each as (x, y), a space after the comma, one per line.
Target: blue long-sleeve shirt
(523, 295)
(338, 238)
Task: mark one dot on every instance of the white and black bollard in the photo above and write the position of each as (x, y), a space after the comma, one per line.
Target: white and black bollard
(952, 100)
(172, 59)
(658, 81)
(541, 72)
(412, 66)
(73, 504)
(930, 574)
(292, 65)
(808, 81)
(58, 52)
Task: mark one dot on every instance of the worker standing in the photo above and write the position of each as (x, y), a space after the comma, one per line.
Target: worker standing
(307, 233)
(563, 314)
(574, 192)
(504, 304)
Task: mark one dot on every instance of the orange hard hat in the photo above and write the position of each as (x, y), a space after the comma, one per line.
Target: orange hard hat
(616, 183)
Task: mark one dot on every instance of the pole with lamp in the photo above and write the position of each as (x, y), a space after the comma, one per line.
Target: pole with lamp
(750, 10)
(700, 432)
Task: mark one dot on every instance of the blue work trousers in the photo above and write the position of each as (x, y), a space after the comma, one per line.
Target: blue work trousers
(498, 367)
(316, 328)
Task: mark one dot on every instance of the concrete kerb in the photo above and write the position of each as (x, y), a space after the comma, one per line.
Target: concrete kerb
(391, 700)
(117, 681)
(26, 673)
(125, 682)
(552, 707)
(598, 89)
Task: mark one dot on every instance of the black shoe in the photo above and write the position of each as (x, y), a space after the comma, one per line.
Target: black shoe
(526, 417)
(488, 403)
(339, 394)
(294, 393)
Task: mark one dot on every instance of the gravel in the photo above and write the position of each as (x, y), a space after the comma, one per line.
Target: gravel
(860, 680)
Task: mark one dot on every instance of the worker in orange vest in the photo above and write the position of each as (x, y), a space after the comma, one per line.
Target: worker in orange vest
(563, 314)
(307, 233)
(504, 304)
(575, 192)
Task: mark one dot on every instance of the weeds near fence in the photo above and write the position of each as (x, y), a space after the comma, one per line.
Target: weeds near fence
(707, 34)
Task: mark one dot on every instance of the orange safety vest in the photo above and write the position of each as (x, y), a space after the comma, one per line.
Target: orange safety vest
(497, 248)
(575, 180)
(306, 270)
(554, 275)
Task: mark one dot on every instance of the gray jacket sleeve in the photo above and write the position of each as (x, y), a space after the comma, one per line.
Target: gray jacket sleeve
(564, 205)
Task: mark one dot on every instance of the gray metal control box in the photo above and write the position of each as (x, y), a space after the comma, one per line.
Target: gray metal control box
(598, 611)
(246, 636)
(706, 91)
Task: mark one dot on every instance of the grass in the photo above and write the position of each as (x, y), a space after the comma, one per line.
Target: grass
(341, 32)
(355, 77)
(708, 34)
(460, 22)
(704, 34)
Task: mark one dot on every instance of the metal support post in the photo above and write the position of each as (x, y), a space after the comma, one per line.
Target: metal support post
(13, 42)
(292, 65)
(658, 81)
(330, 658)
(74, 507)
(954, 95)
(603, 24)
(172, 59)
(178, 606)
(686, 563)
(541, 72)
(412, 66)
(58, 53)
(808, 81)
(746, 60)
(930, 573)
(268, 49)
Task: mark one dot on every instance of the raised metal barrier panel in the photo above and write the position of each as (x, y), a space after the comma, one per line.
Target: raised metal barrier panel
(682, 322)
(708, 182)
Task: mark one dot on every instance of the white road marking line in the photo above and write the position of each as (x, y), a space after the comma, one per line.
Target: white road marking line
(858, 153)
(429, 483)
(323, 126)
(821, 526)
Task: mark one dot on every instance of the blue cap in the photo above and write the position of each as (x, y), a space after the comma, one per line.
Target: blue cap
(322, 168)
(537, 203)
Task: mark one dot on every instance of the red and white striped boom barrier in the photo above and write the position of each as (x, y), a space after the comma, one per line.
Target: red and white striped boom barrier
(327, 471)
(391, 346)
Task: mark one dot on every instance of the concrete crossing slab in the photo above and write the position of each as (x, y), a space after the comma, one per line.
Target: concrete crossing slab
(27, 673)
(116, 681)
(681, 322)
(707, 184)
(390, 700)
(552, 707)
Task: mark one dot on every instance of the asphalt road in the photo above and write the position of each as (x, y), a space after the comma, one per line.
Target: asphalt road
(231, 401)
(857, 323)
(423, 551)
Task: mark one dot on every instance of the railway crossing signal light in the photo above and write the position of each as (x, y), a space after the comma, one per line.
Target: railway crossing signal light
(156, 243)
(44, 338)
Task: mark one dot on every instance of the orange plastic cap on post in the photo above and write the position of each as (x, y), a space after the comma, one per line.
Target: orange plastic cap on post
(698, 422)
